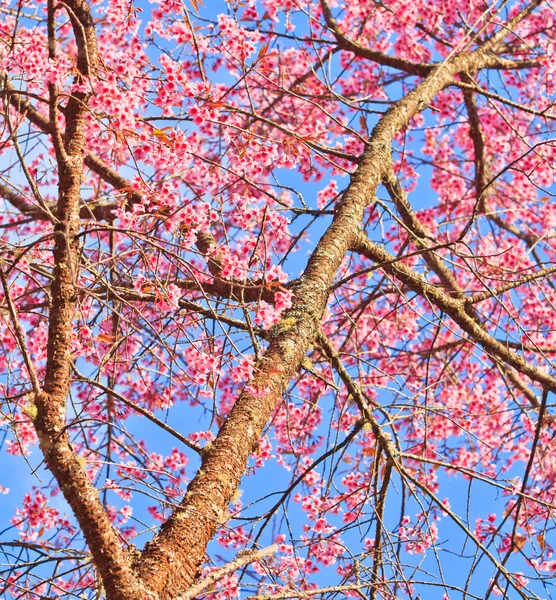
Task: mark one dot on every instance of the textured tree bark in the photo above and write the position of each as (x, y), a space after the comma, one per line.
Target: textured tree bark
(50, 422)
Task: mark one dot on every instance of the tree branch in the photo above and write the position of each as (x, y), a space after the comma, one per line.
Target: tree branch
(244, 558)
(50, 422)
(454, 308)
(420, 69)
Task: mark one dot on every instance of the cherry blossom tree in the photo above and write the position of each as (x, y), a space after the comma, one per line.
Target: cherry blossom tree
(277, 301)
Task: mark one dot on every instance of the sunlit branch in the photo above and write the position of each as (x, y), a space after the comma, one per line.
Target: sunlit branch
(512, 285)
(354, 587)
(475, 87)
(385, 60)
(50, 403)
(420, 235)
(130, 295)
(454, 308)
(246, 557)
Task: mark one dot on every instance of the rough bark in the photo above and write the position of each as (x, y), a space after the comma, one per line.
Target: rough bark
(50, 422)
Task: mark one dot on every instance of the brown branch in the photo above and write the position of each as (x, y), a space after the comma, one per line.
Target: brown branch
(242, 291)
(500, 63)
(30, 180)
(490, 293)
(358, 396)
(483, 173)
(379, 511)
(490, 46)
(490, 59)
(518, 384)
(50, 422)
(529, 348)
(393, 455)
(243, 558)
(475, 87)
(334, 589)
(416, 483)
(421, 69)
(130, 295)
(383, 441)
(330, 452)
(24, 207)
(99, 210)
(420, 235)
(455, 309)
